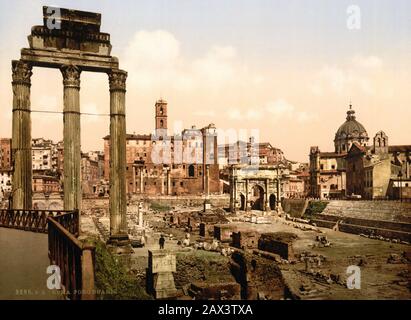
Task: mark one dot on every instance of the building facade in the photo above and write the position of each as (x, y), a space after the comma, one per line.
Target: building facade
(161, 164)
(5, 153)
(379, 171)
(328, 169)
(256, 187)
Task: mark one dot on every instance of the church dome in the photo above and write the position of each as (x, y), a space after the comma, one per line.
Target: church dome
(351, 130)
(351, 127)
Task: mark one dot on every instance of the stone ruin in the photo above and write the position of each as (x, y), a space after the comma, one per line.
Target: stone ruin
(160, 279)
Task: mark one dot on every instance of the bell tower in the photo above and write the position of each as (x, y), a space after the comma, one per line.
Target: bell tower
(161, 118)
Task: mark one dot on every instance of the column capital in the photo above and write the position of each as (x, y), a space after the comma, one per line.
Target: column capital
(21, 72)
(71, 76)
(117, 80)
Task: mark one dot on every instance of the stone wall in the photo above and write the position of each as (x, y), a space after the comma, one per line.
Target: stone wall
(368, 209)
(216, 200)
(386, 229)
(223, 232)
(294, 207)
(259, 278)
(278, 244)
(245, 239)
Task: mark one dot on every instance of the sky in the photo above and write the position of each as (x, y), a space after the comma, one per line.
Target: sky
(288, 69)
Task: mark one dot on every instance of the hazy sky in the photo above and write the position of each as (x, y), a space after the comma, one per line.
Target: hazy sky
(287, 68)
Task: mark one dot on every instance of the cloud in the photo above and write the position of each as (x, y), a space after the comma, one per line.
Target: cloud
(356, 76)
(248, 114)
(371, 62)
(281, 109)
(155, 62)
(275, 110)
(205, 113)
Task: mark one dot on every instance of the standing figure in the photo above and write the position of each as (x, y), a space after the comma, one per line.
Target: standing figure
(161, 242)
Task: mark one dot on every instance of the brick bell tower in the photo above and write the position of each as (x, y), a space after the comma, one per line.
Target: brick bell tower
(161, 118)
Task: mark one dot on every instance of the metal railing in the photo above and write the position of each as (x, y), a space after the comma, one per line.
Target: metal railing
(75, 259)
(30, 220)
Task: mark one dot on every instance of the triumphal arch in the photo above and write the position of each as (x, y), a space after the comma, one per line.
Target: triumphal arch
(71, 41)
(256, 187)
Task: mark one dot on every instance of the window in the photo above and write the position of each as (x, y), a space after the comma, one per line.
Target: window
(333, 167)
(322, 167)
(181, 183)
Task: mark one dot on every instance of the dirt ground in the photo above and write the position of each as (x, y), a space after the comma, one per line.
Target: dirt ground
(311, 280)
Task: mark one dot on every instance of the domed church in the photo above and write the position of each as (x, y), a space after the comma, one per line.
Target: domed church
(350, 131)
(328, 169)
(356, 169)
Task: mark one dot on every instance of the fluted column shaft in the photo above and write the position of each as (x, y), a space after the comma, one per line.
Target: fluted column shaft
(21, 136)
(118, 199)
(207, 182)
(168, 182)
(71, 137)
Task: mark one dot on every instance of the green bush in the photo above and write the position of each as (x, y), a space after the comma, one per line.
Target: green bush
(315, 207)
(112, 280)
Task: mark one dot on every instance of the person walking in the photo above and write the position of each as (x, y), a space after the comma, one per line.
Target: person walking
(161, 242)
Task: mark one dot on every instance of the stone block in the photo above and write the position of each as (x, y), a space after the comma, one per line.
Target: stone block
(160, 279)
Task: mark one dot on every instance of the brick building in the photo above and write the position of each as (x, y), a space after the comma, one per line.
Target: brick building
(5, 153)
(170, 165)
(242, 152)
(46, 184)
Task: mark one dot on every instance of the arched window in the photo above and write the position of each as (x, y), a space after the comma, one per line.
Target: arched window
(161, 110)
(161, 123)
(191, 171)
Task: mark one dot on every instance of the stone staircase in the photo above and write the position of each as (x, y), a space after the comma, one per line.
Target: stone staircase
(383, 219)
(373, 210)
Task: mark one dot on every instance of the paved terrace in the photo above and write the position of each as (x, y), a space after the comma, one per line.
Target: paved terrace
(23, 264)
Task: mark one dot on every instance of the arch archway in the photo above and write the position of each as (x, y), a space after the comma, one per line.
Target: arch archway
(272, 202)
(257, 197)
(191, 170)
(242, 202)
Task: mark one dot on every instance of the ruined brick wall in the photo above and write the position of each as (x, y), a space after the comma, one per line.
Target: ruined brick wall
(223, 232)
(259, 278)
(273, 243)
(245, 239)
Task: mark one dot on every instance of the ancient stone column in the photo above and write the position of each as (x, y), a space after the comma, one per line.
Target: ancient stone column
(168, 182)
(141, 180)
(207, 182)
(71, 137)
(278, 195)
(232, 192)
(247, 201)
(162, 178)
(118, 199)
(266, 196)
(134, 180)
(21, 136)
